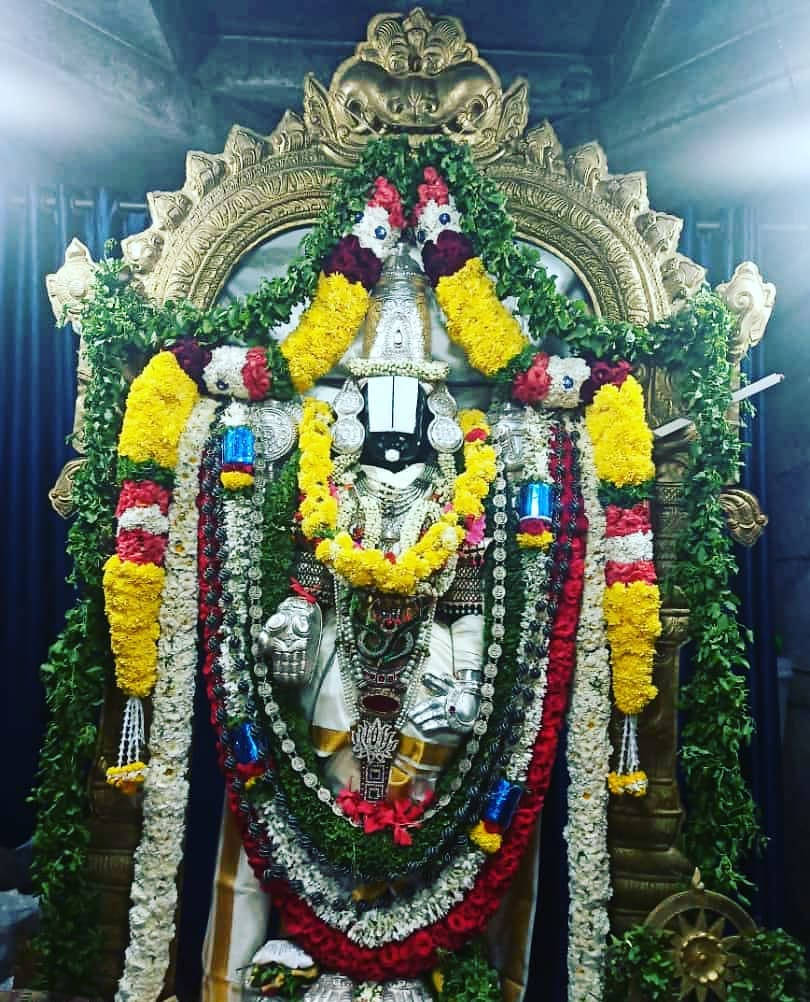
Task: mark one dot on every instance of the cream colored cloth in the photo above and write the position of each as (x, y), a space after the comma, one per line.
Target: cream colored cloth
(237, 921)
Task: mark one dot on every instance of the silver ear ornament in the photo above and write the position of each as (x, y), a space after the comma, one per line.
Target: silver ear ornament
(348, 433)
(444, 432)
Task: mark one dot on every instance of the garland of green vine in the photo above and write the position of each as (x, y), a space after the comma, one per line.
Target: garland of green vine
(121, 330)
(722, 827)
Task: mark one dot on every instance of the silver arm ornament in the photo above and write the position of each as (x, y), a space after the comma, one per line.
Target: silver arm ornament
(290, 640)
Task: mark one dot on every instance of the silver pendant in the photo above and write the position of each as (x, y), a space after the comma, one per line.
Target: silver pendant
(349, 401)
(374, 741)
(277, 430)
(405, 991)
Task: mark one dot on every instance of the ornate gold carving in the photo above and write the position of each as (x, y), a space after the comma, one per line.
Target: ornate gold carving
(752, 299)
(60, 495)
(627, 192)
(587, 164)
(69, 287)
(682, 277)
(706, 928)
(746, 520)
(661, 231)
(415, 74)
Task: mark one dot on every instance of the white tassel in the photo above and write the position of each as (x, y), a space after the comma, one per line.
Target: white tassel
(132, 733)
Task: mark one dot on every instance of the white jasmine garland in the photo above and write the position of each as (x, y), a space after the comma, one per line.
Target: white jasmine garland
(236, 552)
(146, 517)
(567, 376)
(154, 884)
(429, 226)
(628, 549)
(236, 414)
(375, 219)
(223, 374)
(537, 429)
(535, 576)
(589, 760)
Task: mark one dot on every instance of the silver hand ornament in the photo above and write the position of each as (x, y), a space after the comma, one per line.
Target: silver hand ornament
(454, 706)
(290, 640)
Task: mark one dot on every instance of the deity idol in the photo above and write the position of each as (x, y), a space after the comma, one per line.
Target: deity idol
(383, 592)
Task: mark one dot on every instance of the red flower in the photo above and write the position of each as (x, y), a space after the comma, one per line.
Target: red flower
(386, 195)
(475, 435)
(434, 187)
(255, 376)
(191, 357)
(638, 570)
(532, 385)
(602, 373)
(140, 547)
(450, 252)
(624, 521)
(356, 263)
(141, 494)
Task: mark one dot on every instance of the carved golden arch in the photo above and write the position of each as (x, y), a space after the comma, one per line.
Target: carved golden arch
(420, 76)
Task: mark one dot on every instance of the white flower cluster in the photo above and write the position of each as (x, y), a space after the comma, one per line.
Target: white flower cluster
(236, 517)
(567, 376)
(628, 549)
(146, 517)
(375, 232)
(435, 218)
(589, 761)
(157, 858)
(537, 429)
(223, 374)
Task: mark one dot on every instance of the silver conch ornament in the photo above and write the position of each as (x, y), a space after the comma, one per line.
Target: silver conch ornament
(291, 639)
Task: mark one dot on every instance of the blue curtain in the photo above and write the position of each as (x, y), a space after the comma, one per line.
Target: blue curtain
(720, 241)
(37, 391)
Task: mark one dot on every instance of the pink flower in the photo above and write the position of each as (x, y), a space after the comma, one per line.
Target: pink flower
(475, 529)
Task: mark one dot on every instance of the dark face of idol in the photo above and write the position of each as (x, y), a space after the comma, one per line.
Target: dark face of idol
(396, 419)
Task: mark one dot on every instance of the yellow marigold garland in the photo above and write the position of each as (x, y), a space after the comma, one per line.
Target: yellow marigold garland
(488, 842)
(236, 480)
(325, 330)
(622, 451)
(372, 568)
(477, 321)
(530, 541)
(632, 618)
(159, 404)
(622, 441)
(132, 594)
